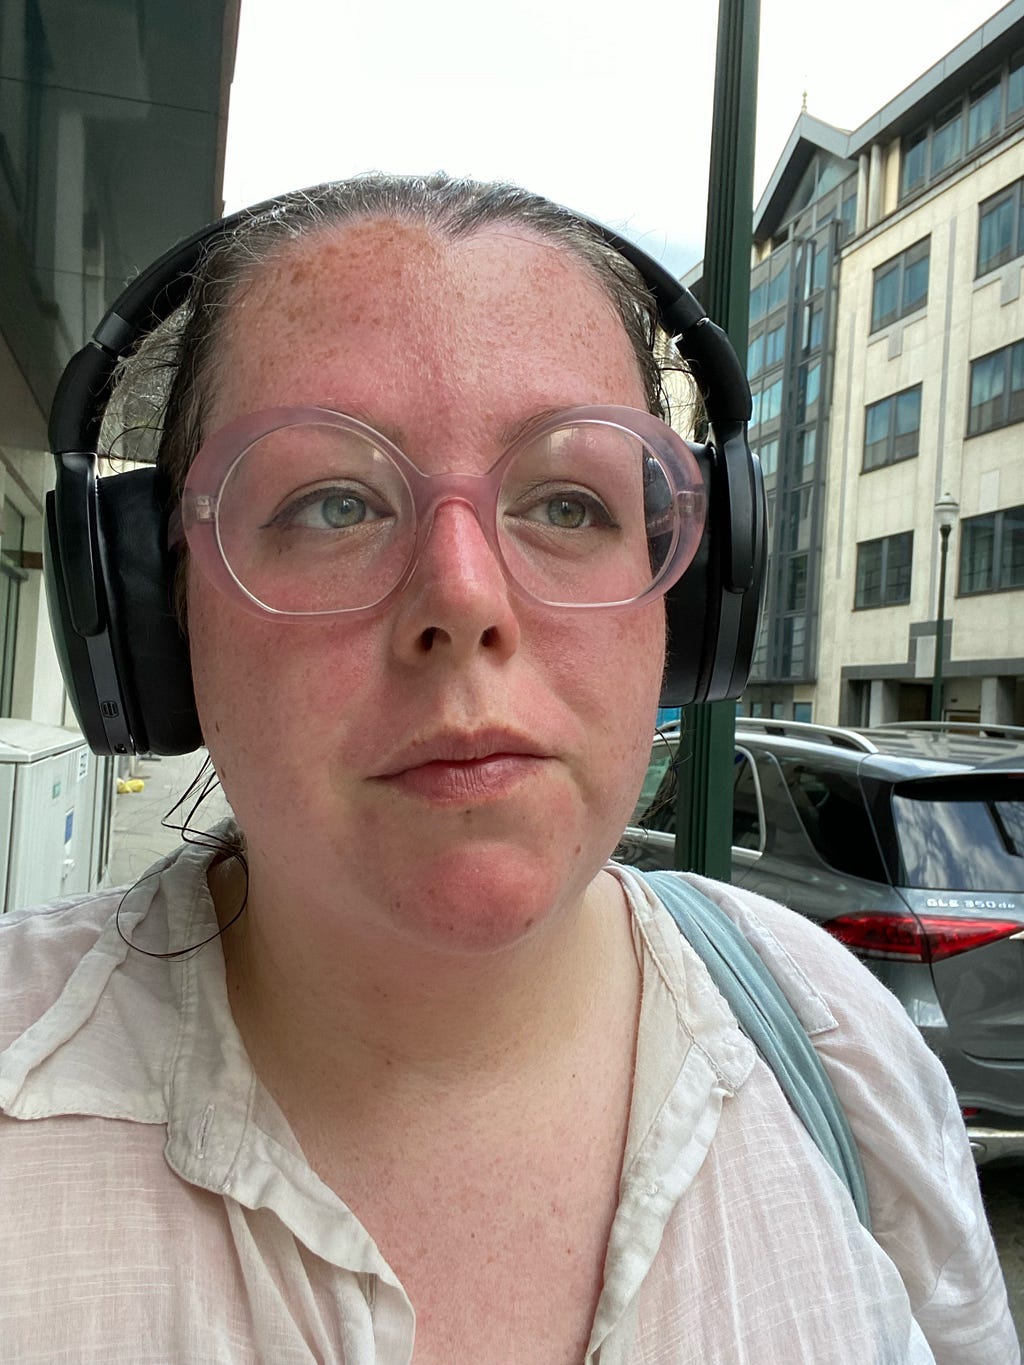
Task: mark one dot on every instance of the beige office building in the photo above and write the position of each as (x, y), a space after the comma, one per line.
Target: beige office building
(887, 364)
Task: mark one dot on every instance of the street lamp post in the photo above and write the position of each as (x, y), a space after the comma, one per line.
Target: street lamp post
(946, 510)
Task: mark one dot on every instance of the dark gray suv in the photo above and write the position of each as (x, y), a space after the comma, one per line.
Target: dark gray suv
(907, 843)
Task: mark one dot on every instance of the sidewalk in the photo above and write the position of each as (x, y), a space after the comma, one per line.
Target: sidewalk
(138, 838)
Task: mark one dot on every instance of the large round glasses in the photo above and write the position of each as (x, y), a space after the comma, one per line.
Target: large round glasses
(305, 512)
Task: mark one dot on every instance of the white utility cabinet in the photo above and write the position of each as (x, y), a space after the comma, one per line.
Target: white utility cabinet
(56, 802)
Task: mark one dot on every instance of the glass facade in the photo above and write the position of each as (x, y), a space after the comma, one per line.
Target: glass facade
(793, 296)
(110, 135)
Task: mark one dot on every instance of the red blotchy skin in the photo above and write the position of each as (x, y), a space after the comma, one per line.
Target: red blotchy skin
(330, 735)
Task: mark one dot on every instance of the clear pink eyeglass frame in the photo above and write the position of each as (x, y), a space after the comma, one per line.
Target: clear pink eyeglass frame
(195, 520)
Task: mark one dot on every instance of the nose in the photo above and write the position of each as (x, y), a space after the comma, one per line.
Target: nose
(458, 601)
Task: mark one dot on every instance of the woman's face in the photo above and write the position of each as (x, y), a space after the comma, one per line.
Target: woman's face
(455, 768)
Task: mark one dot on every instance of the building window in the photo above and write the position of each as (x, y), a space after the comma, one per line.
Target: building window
(758, 300)
(808, 391)
(900, 285)
(947, 139)
(768, 453)
(1000, 228)
(848, 216)
(983, 113)
(883, 571)
(796, 583)
(891, 428)
(997, 390)
(793, 653)
(767, 404)
(813, 316)
(766, 350)
(992, 552)
(914, 165)
(806, 452)
(803, 711)
(1015, 86)
(755, 355)
(975, 119)
(778, 289)
(796, 520)
(775, 346)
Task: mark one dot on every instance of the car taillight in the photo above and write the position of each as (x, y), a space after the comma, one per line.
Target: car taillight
(917, 938)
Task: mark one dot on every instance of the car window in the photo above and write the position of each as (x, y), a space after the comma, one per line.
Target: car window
(746, 815)
(959, 844)
(831, 808)
(657, 781)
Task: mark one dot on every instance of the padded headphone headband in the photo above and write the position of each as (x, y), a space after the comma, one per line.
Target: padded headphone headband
(109, 575)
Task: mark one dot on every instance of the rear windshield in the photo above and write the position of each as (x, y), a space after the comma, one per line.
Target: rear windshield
(959, 839)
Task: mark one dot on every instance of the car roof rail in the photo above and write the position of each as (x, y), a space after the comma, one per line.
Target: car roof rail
(980, 729)
(959, 741)
(837, 735)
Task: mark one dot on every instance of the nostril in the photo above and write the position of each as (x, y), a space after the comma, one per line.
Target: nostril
(433, 634)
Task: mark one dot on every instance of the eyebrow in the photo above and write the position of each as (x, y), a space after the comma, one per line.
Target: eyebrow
(396, 435)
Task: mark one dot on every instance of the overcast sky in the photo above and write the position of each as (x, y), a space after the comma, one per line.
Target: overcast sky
(604, 107)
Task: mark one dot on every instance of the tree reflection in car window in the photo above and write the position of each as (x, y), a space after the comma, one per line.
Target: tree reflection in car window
(656, 808)
(959, 845)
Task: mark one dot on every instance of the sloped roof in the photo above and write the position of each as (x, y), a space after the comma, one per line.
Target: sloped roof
(809, 135)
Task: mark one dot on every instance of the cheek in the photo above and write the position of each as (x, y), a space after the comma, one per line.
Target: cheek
(261, 686)
(612, 667)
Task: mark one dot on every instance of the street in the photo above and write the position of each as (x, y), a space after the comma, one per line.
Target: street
(1003, 1189)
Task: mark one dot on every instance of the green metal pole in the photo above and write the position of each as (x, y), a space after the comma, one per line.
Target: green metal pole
(704, 802)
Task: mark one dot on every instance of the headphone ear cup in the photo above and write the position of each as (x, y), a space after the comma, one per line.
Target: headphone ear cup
(76, 663)
(688, 612)
(149, 645)
(711, 630)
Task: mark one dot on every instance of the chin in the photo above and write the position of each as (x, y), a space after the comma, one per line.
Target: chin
(486, 898)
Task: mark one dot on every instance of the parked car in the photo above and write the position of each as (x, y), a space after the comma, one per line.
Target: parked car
(907, 843)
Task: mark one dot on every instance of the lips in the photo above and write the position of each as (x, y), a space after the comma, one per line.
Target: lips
(463, 766)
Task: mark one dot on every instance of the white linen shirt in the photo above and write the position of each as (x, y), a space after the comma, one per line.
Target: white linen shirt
(155, 1207)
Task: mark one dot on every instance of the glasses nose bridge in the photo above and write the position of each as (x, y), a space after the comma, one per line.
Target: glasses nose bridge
(478, 492)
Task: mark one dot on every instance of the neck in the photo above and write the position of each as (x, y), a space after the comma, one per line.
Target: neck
(388, 1014)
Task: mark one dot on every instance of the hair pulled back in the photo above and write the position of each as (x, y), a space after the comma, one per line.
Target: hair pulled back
(455, 207)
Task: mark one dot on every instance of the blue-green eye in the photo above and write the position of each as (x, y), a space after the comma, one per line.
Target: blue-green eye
(326, 509)
(567, 513)
(565, 509)
(339, 510)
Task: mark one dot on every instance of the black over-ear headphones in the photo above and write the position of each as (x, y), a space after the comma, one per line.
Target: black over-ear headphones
(109, 572)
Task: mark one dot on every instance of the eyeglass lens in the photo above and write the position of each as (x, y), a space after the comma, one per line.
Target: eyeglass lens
(318, 519)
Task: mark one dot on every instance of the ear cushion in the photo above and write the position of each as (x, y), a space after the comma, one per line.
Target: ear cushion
(688, 606)
(149, 646)
(72, 649)
(712, 631)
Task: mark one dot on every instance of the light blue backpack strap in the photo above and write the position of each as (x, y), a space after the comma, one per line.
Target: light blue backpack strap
(771, 1024)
